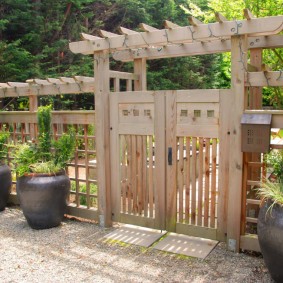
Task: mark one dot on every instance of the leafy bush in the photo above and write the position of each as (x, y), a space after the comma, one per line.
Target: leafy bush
(41, 157)
(4, 136)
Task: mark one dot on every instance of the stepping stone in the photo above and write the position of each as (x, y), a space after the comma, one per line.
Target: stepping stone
(136, 235)
(186, 245)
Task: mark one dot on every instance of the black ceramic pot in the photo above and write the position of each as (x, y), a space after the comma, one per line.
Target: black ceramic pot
(5, 185)
(270, 236)
(43, 198)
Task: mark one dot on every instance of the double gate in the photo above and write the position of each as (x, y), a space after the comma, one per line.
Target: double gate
(166, 170)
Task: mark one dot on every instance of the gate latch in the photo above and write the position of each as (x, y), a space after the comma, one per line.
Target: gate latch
(169, 155)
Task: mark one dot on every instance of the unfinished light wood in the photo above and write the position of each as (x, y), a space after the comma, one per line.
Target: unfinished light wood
(171, 191)
(169, 25)
(89, 37)
(197, 48)
(146, 27)
(239, 61)
(220, 18)
(126, 31)
(101, 70)
(107, 34)
(248, 14)
(258, 26)
(226, 102)
(194, 21)
(265, 78)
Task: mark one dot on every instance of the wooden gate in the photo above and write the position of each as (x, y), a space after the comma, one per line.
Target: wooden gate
(165, 160)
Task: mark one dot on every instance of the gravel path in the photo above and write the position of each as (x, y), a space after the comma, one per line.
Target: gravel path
(77, 252)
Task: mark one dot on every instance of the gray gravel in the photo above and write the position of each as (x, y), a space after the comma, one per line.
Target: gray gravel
(77, 252)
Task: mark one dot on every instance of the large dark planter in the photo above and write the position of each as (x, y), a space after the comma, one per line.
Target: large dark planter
(270, 235)
(5, 185)
(43, 199)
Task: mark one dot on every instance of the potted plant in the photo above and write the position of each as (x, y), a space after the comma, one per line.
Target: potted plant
(5, 172)
(42, 184)
(270, 220)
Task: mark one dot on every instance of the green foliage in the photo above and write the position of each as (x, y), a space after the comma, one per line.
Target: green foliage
(82, 189)
(44, 132)
(64, 148)
(4, 136)
(41, 157)
(275, 160)
(272, 191)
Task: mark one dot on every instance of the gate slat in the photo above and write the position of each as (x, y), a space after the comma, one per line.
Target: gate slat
(181, 177)
(188, 178)
(123, 173)
(150, 176)
(200, 182)
(213, 183)
(139, 175)
(144, 175)
(207, 182)
(194, 158)
(129, 172)
(134, 174)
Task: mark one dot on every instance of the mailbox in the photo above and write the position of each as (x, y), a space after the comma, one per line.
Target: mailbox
(256, 132)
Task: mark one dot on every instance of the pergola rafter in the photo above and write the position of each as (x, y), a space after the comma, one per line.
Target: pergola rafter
(180, 35)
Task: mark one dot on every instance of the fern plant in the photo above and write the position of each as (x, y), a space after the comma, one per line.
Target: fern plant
(4, 136)
(46, 156)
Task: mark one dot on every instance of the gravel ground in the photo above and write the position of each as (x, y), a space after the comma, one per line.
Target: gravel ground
(76, 252)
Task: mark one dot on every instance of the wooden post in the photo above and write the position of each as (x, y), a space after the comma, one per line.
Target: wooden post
(140, 69)
(224, 144)
(255, 98)
(33, 105)
(238, 69)
(102, 92)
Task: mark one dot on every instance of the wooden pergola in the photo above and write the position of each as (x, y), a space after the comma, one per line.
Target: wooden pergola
(237, 37)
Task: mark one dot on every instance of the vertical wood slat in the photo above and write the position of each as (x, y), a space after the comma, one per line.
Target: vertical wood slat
(213, 183)
(139, 175)
(207, 182)
(87, 166)
(123, 163)
(171, 193)
(129, 173)
(134, 174)
(193, 202)
(200, 182)
(77, 178)
(244, 194)
(150, 175)
(188, 179)
(181, 177)
(144, 175)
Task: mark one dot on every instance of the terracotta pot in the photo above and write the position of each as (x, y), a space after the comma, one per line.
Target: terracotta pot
(5, 185)
(43, 198)
(270, 236)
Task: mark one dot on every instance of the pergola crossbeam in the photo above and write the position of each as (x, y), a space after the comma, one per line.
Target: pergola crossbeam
(146, 28)
(126, 31)
(248, 14)
(220, 18)
(89, 37)
(257, 26)
(194, 21)
(169, 25)
(107, 34)
(196, 48)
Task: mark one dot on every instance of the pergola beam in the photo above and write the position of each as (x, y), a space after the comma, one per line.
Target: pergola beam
(265, 78)
(258, 26)
(220, 18)
(55, 86)
(196, 48)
